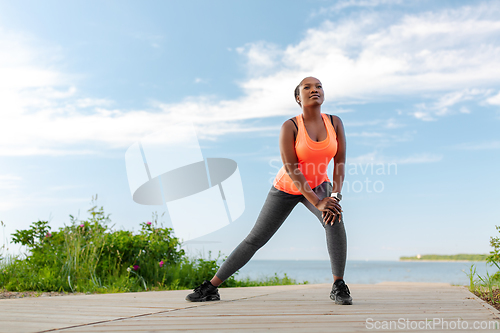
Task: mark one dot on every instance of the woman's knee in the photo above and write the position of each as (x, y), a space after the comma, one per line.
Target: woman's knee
(254, 243)
(336, 228)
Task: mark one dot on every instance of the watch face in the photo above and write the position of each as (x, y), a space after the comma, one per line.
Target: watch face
(337, 195)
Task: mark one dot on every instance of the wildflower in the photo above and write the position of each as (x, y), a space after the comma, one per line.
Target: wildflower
(161, 263)
(128, 269)
(48, 235)
(148, 223)
(136, 267)
(82, 225)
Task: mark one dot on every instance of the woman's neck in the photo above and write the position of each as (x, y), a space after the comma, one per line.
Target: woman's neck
(311, 112)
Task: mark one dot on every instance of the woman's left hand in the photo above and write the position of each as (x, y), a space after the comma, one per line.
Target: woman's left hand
(330, 217)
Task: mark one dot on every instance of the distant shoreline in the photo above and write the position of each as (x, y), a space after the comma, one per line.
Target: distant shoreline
(461, 257)
(441, 260)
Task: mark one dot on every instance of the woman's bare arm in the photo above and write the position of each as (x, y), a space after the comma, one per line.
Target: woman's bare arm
(339, 165)
(339, 159)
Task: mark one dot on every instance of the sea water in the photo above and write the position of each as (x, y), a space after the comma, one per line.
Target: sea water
(360, 271)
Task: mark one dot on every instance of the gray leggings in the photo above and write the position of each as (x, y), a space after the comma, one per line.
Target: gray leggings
(276, 209)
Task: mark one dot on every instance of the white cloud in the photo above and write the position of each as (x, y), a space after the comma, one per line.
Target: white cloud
(153, 40)
(393, 123)
(17, 200)
(465, 110)
(92, 102)
(366, 134)
(341, 5)
(376, 158)
(389, 123)
(261, 57)
(418, 158)
(494, 100)
(359, 59)
(15, 194)
(488, 145)
(443, 105)
(9, 182)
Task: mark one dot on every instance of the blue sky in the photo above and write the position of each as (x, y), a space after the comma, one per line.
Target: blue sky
(417, 86)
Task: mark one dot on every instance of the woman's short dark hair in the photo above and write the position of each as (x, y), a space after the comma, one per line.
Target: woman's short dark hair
(297, 93)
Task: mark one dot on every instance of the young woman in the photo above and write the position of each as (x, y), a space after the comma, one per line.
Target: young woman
(308, 143)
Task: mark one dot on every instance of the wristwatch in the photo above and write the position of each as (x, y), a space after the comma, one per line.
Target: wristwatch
(337, 196)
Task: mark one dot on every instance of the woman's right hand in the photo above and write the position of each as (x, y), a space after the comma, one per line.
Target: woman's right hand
(330, 208)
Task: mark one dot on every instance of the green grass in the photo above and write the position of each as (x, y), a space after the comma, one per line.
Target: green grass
(90, 256)
(486, 287)
(267, 281)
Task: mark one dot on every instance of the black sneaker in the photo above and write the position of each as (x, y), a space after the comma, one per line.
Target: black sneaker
(340, 293)
(204, 293)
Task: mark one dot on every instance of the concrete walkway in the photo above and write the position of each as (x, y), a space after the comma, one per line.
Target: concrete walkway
(384, 307)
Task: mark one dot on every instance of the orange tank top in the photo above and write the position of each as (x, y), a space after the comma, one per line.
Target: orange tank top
(313, 157)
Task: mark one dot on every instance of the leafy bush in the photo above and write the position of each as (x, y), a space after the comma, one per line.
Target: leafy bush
(89, 256)
(495, 243)
(488, 287)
